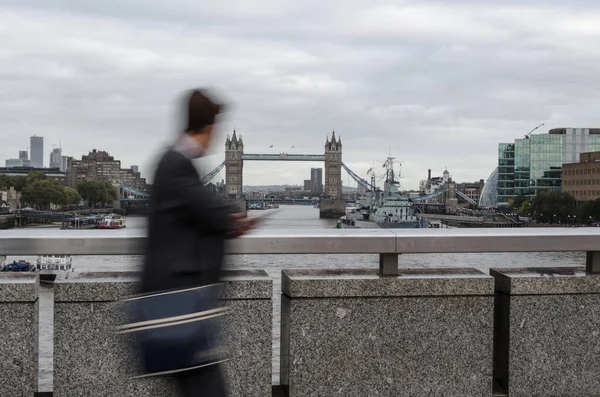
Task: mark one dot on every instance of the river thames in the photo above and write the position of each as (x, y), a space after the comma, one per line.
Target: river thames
(289, 217)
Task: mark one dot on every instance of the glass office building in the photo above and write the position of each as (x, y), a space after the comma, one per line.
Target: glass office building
(489, 194)
(533, 164)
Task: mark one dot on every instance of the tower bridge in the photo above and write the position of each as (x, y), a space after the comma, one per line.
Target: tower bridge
(235, 157)
(332, 203)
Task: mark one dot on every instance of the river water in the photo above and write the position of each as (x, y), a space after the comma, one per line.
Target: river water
(289, 217)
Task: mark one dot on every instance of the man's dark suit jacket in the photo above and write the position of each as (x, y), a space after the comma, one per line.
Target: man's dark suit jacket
(186, 228)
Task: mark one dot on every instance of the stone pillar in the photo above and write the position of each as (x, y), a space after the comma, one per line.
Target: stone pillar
(234, 166)
(19, 341)
(424, 333)
(547, 332)
(89, 356)
(332, 209)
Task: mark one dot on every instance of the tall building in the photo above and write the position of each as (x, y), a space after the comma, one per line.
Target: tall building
(36, 147)
(24, 157)
(534, 164)
(56, 158)
(135, 168)
(316, 180)
(64, 163)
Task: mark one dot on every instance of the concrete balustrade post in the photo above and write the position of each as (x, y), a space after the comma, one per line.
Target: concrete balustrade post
(91, 359)
(547, 340)
(425, 332)
(19, 294)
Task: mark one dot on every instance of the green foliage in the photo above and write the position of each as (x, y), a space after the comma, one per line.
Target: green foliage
(525, 208)
(18, 182)
(42, 192)
(72, 196)
(589, 211)
(553, 206)
(517, 201)
(96, 192)
(35, 176)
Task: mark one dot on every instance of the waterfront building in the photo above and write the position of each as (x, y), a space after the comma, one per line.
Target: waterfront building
(534, 163)
(99, 165)
(472, 190)
(489, 193)
(582, 180)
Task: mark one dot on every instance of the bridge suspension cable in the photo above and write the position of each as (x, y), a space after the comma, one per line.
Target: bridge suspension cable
(208, 177)
(361, 182)
(134, 192)
(469, 199)
(431, 195)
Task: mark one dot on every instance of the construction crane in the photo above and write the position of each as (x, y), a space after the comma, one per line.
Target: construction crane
(529, 133)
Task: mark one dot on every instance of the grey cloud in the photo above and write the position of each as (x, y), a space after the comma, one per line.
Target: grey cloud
(441, 83)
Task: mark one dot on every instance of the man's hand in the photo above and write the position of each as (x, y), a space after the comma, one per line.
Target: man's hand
(241, 224)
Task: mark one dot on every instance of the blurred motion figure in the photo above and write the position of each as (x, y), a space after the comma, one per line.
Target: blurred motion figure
(187, 226)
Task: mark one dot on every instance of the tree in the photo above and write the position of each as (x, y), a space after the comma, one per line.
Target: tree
(108, 190)
(41, 193)
(589, 211)
(517, 201)
(72, 196)
(525, 208)
(5, 182)
(19, 182)
(35, 176)
(97, 192)
(551, 206)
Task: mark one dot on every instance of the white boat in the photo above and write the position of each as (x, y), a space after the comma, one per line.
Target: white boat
(111, 221)
(55, 263)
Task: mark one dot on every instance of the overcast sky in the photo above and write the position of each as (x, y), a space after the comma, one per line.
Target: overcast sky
(437, 83)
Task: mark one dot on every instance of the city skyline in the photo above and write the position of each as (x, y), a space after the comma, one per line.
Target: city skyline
(399, 78)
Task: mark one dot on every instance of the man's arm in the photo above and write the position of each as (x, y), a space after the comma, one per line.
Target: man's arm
(184, 189)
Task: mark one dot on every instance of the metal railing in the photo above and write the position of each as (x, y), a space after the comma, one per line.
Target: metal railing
(389, 244)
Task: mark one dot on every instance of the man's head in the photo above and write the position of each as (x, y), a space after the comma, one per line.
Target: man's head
(202, 112)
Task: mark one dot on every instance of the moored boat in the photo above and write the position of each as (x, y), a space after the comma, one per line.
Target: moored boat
(18, 266)
(111, 221)
(83, 222)
(51, 265)
(389, 209)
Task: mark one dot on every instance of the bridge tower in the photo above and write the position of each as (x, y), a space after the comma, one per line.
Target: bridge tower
(333, 168)
(234, 150)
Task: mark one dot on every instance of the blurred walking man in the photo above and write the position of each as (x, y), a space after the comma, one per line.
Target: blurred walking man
(187, 226)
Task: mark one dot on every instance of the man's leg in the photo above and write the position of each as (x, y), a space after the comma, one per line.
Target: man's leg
(203, 382)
